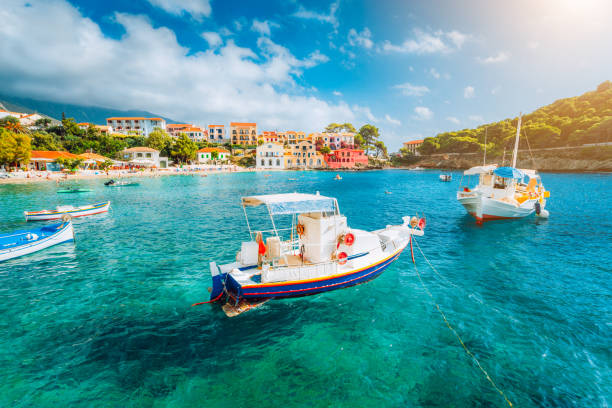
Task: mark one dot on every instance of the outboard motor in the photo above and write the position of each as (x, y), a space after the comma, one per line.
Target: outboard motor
(538, 208)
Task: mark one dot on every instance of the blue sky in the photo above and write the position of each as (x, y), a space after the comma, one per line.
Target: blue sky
(413, 69)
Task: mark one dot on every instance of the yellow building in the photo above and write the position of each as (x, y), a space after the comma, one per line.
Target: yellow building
(243, 133)
(291, 137)
(303, 155)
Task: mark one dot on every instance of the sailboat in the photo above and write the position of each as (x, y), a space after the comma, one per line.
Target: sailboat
(503, 192)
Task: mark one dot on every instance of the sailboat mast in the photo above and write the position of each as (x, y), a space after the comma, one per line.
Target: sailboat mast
(484, 159)
(516, 142)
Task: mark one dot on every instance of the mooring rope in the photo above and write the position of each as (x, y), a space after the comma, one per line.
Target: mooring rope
(452, 329)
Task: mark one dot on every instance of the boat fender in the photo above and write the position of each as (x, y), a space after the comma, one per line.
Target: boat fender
(342, 258)
(414, 221)
(466, 189)
(300, 229)
(422, 223)
(538, 207)
(349, 239)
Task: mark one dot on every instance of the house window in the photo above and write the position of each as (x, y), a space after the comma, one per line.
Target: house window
(148, 155)
(138, 154)
(263, 162)
(277, 162)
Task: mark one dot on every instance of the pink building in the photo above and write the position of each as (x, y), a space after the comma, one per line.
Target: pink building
(346, 158)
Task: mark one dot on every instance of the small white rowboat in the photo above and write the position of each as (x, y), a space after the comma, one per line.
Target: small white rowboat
(19, 243)
(59, 212)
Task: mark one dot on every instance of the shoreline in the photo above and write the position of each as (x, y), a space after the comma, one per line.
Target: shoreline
(50, 177)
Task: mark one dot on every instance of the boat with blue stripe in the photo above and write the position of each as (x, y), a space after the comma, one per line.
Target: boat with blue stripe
(60, 211)
(315, 252)
(24, 242)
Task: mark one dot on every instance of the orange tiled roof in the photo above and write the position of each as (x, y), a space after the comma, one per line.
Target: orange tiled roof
(92, 156)
(242, 124)
(140, 149)
(212, 149)
(83, 124)
(177, 125)
(413, 142)
(51, 155)
(216, 126)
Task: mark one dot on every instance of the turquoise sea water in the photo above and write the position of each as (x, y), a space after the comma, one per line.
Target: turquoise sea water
(107, 321)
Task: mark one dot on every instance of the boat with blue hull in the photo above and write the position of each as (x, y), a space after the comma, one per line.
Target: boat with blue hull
(315, 252)
(24, 242)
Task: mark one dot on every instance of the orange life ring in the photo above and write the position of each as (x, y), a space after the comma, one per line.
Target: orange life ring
(349, 239)
(299, 229)
(342, 258)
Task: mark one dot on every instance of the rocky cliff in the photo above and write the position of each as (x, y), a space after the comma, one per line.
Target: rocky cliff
(594, 158)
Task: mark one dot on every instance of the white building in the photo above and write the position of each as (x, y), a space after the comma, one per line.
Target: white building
(270, 156)
(143, 156)
(25, 119)
(135, 126)
(206, 155)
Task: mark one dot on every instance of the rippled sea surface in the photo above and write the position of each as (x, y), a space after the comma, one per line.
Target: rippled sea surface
(107, 321)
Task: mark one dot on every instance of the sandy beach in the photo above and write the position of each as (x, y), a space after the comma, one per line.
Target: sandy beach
(24, 177)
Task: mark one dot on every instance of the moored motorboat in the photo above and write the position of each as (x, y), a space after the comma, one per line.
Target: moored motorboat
(446, 177)
(23, 242)
(503, 192)
(316, 252)
(74, 190)
(113, 183)
(61, 210)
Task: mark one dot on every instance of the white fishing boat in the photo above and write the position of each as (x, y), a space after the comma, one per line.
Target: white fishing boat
(503, 192)
(24, 242)
(446, 177)
(62, 210)
(315, 251)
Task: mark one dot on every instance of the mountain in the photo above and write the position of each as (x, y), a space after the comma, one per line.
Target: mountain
(81, 113)
(572, 121)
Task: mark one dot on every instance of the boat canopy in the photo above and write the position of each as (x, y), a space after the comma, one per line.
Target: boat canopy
(292, 203)
(509, 172)
(480, 169)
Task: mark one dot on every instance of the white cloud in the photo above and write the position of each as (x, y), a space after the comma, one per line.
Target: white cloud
(197, 8)
(457, 38)
(213, 39)
(365, 111)
(263, 27)
(392, 121)
(337, 93)
(412, 90)
(434, 73)
(476, 118)
(147, 69)
(363, 39)
(329, 18)
(468, 92)
(494, 59)
(423, 113)
(533, 45)
(428, 43)
(453, 120)
(496, 90)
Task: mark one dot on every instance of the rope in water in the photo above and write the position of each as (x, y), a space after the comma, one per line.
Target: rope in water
(210, 301)
(451, 328)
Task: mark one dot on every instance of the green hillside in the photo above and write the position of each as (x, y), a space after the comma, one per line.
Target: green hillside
(566, 122)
